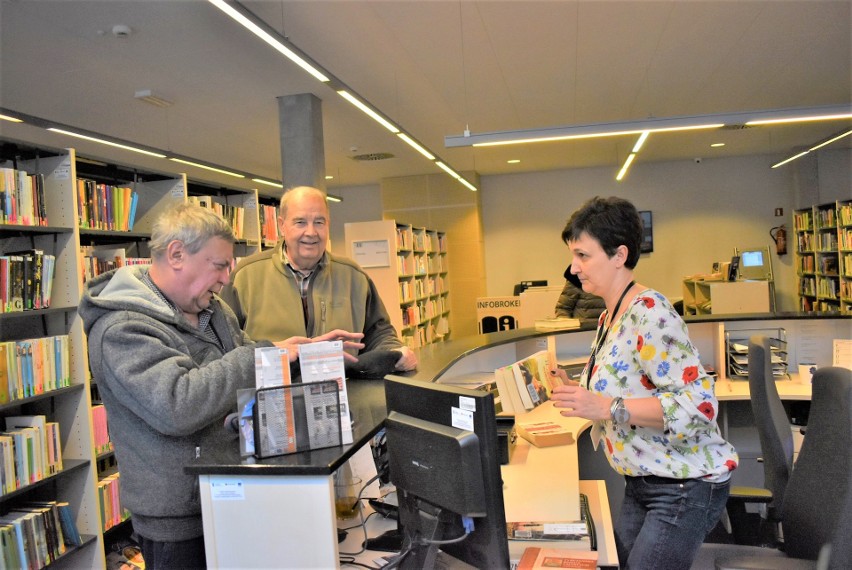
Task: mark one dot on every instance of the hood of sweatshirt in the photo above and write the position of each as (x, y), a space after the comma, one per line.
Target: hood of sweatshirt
(122, 289)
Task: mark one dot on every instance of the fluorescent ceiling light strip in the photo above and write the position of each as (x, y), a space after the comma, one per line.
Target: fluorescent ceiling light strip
(447, 169)
(599, 134)
(254, 28)
(802, 119)
(829, 141)
(791, 159)
(333, 198)
(416, 146)
(8, 118)
(373, 114)
(468, 184)
(267, 182)
(205, 167)
(653, 125)
(106, 142)
(642, 138)
(624, 168)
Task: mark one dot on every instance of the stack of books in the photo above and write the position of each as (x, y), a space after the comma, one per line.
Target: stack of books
(527, 383)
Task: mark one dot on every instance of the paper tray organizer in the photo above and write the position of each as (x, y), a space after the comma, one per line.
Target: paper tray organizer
(296, 417)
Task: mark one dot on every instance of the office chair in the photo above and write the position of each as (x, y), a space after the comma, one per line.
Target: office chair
(817, 507)
(776, 444)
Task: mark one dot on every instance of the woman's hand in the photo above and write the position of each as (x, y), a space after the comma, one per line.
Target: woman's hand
(579, 402)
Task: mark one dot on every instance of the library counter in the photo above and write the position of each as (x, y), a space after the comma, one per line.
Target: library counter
(280, 511)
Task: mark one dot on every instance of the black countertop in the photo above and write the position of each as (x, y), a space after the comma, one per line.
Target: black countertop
(367, 407)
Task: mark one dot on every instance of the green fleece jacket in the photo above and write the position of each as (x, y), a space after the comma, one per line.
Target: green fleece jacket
(167, 389)
(265, 296)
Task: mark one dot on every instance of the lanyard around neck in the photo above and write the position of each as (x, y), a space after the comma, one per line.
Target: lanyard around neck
(603, 331)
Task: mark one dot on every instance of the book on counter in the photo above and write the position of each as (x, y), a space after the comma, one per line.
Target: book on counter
(535, 557)
(527, 383)
(555, 530)
(544, 434)
(557, 323)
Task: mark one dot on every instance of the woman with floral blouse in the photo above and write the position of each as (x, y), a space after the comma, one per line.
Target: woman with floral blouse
(653, 405)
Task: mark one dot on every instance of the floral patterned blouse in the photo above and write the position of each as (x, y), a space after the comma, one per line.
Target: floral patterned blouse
(648, 353)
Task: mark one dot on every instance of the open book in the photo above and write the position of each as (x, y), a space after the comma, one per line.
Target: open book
(527, 383)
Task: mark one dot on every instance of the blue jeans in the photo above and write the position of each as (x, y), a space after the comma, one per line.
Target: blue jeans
(664, 521)
(173, 555)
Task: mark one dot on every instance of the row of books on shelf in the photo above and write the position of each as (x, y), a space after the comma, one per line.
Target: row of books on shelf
(36, 534)
(423, 311)
(845, 290)
(826, 218)
(33, 366)
(844, 214)
(106, 207)
(803, 221)
(97, 260)
(234, 215)
(103, 444)
(845, 241)
(420, 288)
(807, 286)
(806, 264)
(431, 331)
(805, 242)
(22, 198)
(26, 280)
(809, 304)
(31, 451)
(109, 496)
(827, 288)
(827, 241)
(268, 223)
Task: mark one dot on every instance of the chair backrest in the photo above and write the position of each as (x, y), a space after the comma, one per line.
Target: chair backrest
(817, 505)
(773, 425)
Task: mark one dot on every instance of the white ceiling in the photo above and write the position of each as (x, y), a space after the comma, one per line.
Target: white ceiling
(434, 67)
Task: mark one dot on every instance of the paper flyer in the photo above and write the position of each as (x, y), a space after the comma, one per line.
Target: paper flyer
(324, 361)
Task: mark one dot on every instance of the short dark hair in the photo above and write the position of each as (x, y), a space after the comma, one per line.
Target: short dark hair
(612, 221)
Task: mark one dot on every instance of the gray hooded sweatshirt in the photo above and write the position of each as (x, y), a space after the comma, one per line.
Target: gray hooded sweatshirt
(167, 389)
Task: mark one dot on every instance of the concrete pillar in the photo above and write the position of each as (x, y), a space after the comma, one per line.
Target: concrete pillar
(302, 151)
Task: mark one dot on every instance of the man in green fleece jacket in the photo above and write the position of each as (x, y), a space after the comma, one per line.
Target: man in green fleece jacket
(297, 288)
(168, 357)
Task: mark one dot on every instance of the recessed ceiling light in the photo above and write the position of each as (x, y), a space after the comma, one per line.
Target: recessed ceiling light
(329, 177)
(717, 145)
(513, 161)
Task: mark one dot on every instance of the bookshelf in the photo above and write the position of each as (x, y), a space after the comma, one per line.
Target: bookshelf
(89, 472)
(409, 268)
(68, 406)
(824, 257)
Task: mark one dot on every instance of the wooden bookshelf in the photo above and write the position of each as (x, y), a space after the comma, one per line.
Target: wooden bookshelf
(409, 267)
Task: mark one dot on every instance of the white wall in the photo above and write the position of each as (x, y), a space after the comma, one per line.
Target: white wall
(701, 212)
(360, 204)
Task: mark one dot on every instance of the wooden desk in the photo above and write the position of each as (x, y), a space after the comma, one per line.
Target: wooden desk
(788, 389)
(543, 484)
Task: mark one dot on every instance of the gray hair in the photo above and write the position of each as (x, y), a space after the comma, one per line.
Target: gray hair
(190, 224)
(298, 191)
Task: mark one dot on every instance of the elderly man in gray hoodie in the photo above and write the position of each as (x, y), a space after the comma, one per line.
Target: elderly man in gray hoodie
(168, 357)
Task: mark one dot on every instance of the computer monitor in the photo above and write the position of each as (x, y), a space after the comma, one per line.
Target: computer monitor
(524, 285)
(444, 462)
(755, 264)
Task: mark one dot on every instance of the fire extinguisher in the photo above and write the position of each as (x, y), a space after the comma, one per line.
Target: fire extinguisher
(780, 237)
